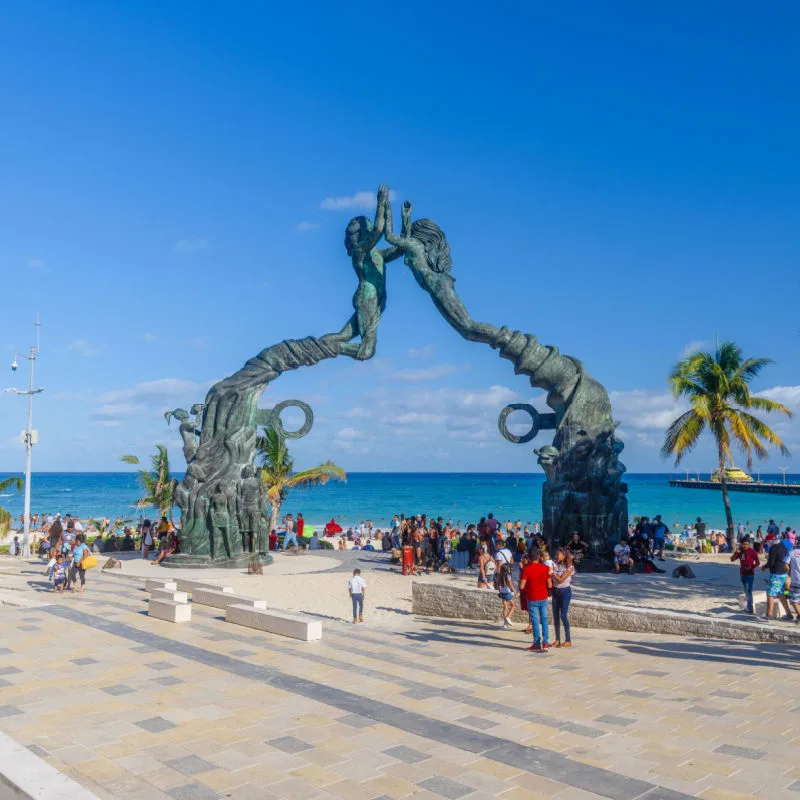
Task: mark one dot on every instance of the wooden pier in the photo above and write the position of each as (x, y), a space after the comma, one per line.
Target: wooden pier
(756, 488)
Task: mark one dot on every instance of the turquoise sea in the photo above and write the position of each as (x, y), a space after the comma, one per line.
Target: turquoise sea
(461, 497)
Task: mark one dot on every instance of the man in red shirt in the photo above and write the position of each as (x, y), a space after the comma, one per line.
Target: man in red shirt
(534, 584)
(748, 562)
(301, 523)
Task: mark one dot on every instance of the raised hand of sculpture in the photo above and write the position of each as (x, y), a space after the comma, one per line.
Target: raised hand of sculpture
(189, 429)
(369, 301)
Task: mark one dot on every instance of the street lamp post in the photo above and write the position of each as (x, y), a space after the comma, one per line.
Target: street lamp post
(29, 436)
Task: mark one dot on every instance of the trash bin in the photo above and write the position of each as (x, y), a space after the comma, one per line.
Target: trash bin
(408, 560)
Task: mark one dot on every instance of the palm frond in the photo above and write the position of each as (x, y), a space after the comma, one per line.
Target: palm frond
(317, 476)
(13, 482)
(682, 436)
(129, 459)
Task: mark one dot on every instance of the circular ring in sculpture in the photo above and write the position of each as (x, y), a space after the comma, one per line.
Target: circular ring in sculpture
(303, 429)
(535, 423)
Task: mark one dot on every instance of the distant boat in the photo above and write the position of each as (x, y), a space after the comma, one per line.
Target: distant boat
(732, 475)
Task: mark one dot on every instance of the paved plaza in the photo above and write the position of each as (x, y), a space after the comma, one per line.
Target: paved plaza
(133, 707)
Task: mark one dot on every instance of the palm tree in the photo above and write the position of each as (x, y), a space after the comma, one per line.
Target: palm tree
(278, 477)
(9, 483)
(157, 483)
(716, 385)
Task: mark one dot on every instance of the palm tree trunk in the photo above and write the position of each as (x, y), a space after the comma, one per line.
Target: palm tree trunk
(726, 499)
(273, 522)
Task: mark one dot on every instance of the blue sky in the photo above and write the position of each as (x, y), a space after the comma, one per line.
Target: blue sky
(618, 179)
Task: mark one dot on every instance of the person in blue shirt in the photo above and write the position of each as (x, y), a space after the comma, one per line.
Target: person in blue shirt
(79, 553)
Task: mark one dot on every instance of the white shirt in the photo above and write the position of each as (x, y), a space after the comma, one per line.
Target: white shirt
(289, 525)
(357, 584)
(622, 551)
(78, 526)
(503, 556)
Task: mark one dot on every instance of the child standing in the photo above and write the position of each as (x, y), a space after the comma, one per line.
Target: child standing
(356, 588)
(59, 574)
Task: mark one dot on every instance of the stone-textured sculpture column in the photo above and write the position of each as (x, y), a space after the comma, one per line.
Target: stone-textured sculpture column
(223, 517)
(583, 491)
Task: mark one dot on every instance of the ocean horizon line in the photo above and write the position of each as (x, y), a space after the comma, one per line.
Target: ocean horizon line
(384, 472)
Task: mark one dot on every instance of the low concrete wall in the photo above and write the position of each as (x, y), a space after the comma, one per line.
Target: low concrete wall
(457, 602)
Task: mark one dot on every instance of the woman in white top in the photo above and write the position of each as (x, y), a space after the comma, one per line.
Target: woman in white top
(562, 573)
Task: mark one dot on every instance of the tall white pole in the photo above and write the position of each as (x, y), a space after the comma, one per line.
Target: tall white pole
(26, 536)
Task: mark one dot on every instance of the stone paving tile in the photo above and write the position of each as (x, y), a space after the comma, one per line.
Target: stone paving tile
(740, 752)
(161, 665)
(118, 689)
(446, 788)
(476, 722)
(84, 662)
(10, 670)
(155, 724)
(289, 744)
(612, 719)
(190, 765)
(193, 791)
(10, 711)
(407, 754)
(167, 680)
(4, 683)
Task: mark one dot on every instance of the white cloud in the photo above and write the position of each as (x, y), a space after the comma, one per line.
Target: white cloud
(787, 395)
(360, 201)
(645, 410)
(111, 414)
(419, 418)
(148, 337)
(701, 345)
(35, 263)
(422, 352)
(429, 373)
(187, 247)
(161, 391)
(307, 227)
(82, 347)
(356, 413)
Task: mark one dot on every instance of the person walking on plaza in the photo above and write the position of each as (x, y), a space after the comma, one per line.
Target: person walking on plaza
(778, 566)
(536, 584)
(659, 535)
(79, 553)
(505, 589)
(748, 563)
(793, 581)
(357, 589)
(562, 573)
(289, 537)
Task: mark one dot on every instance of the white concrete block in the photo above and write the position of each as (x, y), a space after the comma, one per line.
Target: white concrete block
(189, 586)
(170, 611)
(297, 626)
(166, 594)
(208, 597)
(160, 583)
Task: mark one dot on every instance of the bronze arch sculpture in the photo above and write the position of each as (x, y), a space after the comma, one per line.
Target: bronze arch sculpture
(222, 507)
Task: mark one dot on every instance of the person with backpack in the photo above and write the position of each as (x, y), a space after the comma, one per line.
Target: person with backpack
(505, 589)
(777, 563)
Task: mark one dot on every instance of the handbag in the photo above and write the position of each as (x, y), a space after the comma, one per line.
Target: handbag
(88, 561)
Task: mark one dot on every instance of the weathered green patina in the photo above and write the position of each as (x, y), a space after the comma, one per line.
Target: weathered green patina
(225, 517)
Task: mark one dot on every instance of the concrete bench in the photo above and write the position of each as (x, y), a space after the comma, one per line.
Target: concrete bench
(167, 594)
(170, 611)
(189, 586)
(217, 599)
(160, 583)
(296, 626)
